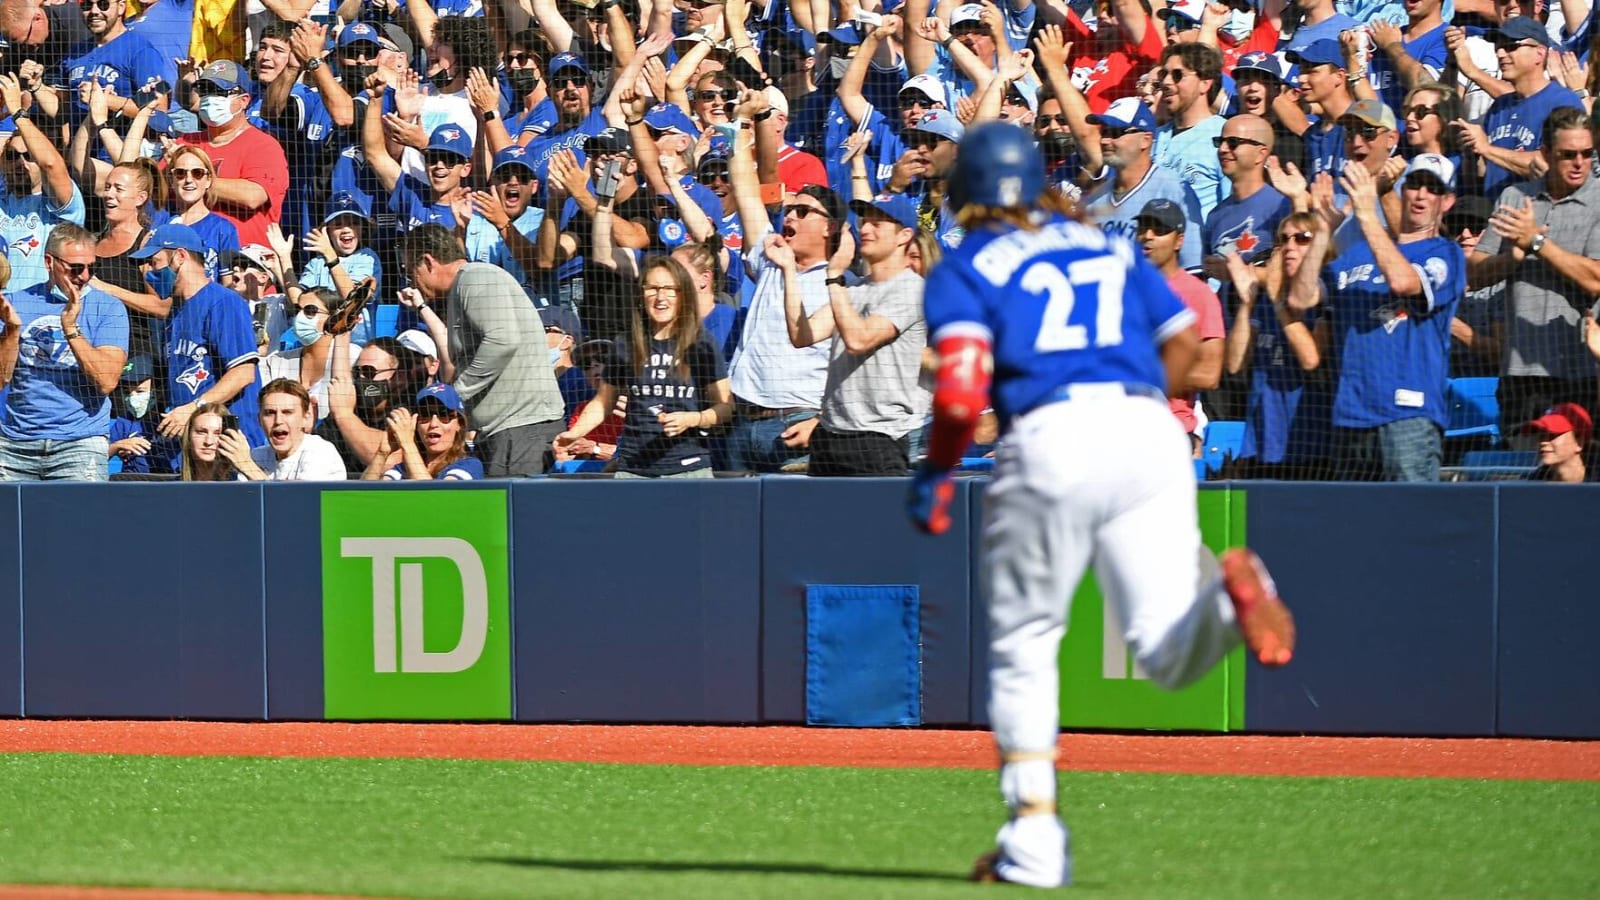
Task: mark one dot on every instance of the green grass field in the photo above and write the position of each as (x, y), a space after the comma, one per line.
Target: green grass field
(466, 829)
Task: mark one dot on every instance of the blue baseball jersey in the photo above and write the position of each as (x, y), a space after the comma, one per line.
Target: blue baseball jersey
(1118, 216)
(412, 204)
(167, 25)
(1190, 156)
(1324, 151)
(1514, 123)
(305, 129)
(207, 335)
(1066, 304)
(25, 224)
(129, 63)
(50, 396)
(535, 122)
(1247, 227)
(165, 455)
(553, 140)
(219, 235)
(1428, 49)
(1393, 352)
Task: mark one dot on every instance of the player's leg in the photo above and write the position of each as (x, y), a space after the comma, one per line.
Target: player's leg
(1036, 546)
(1167, 589)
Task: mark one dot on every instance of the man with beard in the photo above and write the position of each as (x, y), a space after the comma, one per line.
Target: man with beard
(300, 118)
(115, 57)
(1132, 179)
(920, 173)
(506, 225)
(1263, 86)
(385, 376)
(252, 172)
(1189, 79)
(580, 117)
(39, 193)
(211, 343)
(498, 359)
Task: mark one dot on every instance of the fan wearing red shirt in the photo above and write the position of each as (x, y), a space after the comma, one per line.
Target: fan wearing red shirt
(796, 168)
(252, 171)
(1124, 44)
(1160, 227)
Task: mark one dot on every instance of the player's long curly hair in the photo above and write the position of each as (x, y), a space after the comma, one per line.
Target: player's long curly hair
(685, 325)
(470, 41)
(977, 215)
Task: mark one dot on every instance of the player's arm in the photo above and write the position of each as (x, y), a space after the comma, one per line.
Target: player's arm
(960, 397)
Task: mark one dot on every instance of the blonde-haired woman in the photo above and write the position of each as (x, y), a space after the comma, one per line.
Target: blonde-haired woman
(193, 179)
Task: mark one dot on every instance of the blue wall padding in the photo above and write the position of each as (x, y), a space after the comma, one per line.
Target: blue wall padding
(855, 531)
(1549, 673)
(1393, 592)
(10, 602)
(637, 602)
(143, 600)
(863, 664)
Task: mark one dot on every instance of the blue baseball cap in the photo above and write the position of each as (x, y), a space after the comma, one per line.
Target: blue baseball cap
(512, 156)
(226, 74)
(345, 203)
(898, 207)
(562, 319)
(1164, 212)
(566, 61)
(442, 394)
(1029, 93)
(451, 138)
(1270, 63)
(161, 123)
(718, 150)
(1522, 28)
(1128, 112)
(171, 236)
(846, 34)
(1318, 53)
(668, 117)
(941, 122)
(138, 368)
(360, 32)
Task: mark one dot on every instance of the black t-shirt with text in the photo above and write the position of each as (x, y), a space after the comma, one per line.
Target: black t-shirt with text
(656, 389)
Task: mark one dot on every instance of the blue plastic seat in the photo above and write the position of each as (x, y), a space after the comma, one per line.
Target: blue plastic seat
(1223, 442)
(578, 467)
(1473, 408)
(387, 323)
(977, 464)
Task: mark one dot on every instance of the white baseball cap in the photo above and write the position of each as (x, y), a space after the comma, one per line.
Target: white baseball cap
(777, 100)
(1436, 165)
(419, 341)
(967, 12)
(927, 85)
(1189, 9)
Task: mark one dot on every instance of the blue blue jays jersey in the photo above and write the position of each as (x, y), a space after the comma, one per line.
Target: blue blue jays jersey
(1393, 351)
(412, 204)
(1514, 122)
(535, 121)
(128, 64)
(1066, 304)
(207, 335)
(305, 129)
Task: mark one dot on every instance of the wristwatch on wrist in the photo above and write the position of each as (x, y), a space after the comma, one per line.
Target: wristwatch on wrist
(330, 263)
(490, 115)
(1537, 244)
(313, 64)
(69, 335)
(835, 279)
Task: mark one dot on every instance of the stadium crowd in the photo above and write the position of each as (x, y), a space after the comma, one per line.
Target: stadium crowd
(384, 239)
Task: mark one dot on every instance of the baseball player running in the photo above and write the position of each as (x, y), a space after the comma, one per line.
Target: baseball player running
(1081, 335)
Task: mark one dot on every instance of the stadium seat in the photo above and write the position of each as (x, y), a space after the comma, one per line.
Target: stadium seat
(387, 323)
(977, 464)
(1473, 409)
(578, 467)
(1492, 465)
(1222, 443)
(1200, 470)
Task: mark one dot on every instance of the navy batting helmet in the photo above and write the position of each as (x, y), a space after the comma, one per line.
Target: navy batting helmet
(997, 164)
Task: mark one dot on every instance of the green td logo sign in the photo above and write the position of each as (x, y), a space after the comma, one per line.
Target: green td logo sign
(415, 608)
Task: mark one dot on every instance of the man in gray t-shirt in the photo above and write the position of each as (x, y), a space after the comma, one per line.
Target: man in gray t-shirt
(873, 398)
(1543, 242)
(498, 361)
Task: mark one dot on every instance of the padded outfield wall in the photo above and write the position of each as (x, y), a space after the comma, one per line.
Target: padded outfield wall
(1460, 609)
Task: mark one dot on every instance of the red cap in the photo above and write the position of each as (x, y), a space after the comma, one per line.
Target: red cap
(1562, 418)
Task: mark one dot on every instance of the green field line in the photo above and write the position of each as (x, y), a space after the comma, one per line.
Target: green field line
(471, 829)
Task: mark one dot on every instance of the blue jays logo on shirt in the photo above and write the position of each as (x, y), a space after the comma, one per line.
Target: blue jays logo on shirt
(42, 346)
(1390, 315)
(1240, 239)
(29, 243)
(197, 374)
(1436, 270)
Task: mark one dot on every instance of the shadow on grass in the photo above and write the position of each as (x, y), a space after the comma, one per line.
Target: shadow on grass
(763, 868)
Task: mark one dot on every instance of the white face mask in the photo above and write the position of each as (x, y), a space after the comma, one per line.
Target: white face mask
(306, 330)
(139, 403)
(1239, 25)
(216, 111)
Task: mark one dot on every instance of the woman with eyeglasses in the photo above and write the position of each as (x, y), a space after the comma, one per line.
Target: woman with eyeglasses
(673, 377)
(202, 444)
(1287, 412)
(194, 188)
(132, 189)
(432, 441)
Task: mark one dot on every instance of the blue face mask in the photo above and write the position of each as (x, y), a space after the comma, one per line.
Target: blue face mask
(306, 330)
(555, 356)
(1239, 25)
(162, 281)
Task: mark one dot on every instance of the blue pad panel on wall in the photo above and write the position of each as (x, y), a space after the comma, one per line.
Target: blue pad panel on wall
(1392, 588)
(855, 531)
(10, 602)
(150, 607)
(862, 655)
(292, 514)
(635, 601)
(1549, 672)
